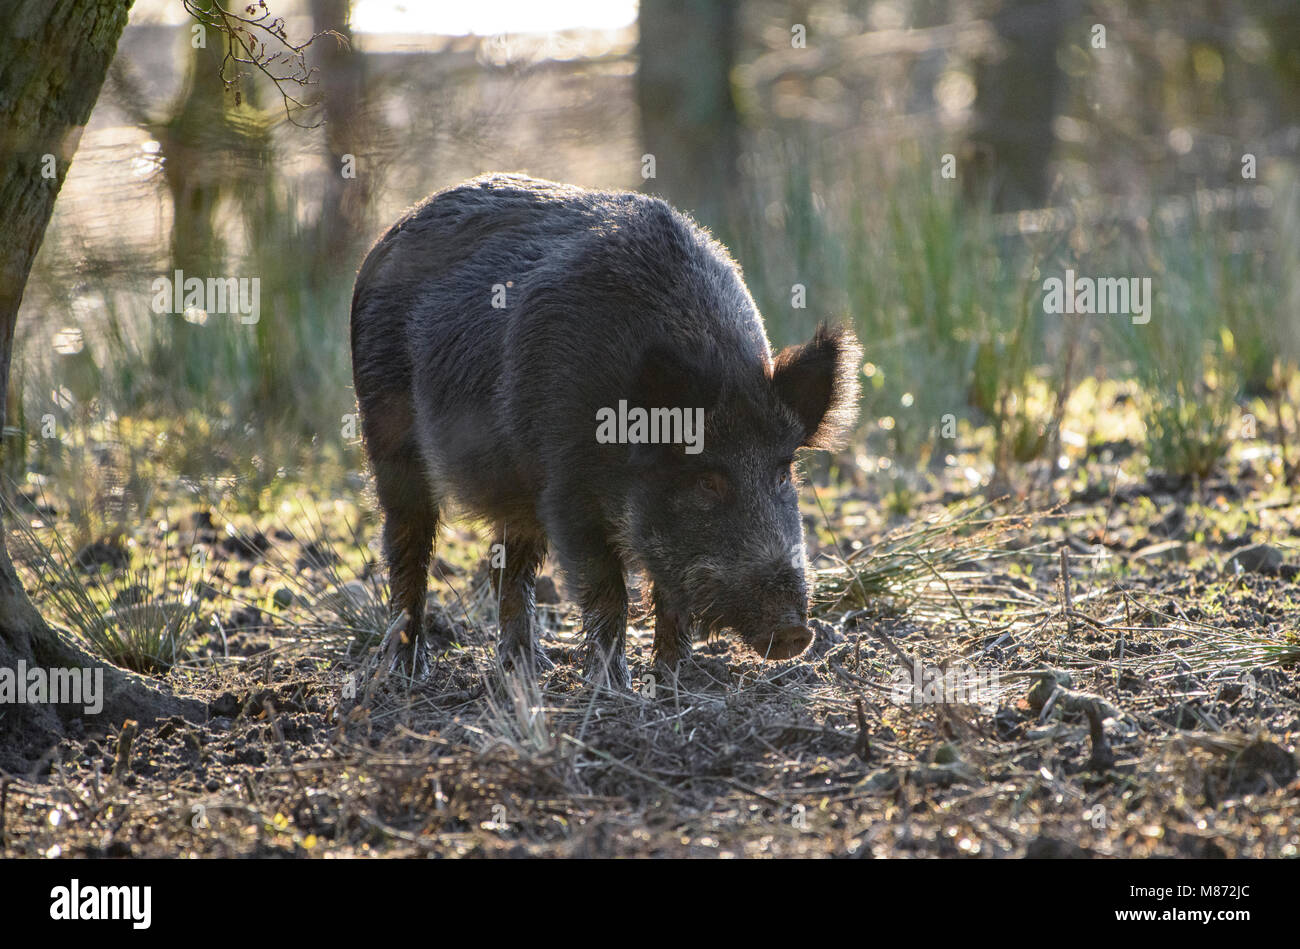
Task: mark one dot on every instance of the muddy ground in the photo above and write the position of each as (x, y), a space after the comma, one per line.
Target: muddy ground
(1152, 709)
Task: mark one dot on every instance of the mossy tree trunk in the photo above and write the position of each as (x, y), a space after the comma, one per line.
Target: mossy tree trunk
(54, 55)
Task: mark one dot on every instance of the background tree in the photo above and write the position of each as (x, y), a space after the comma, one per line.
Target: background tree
(342, 226)
(1019, 88)
(687, 49)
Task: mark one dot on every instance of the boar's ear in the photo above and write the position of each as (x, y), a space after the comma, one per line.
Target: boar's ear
(819, 381)
(667, 378)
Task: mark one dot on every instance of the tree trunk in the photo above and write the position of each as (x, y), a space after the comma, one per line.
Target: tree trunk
(53, 59)
(688, 113)
(1017, 96)
(342, 230)
(195, 145)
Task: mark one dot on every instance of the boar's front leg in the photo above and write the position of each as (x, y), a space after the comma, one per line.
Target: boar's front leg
(603, 598)
(595, 571)
(514, 583)
(672, 642)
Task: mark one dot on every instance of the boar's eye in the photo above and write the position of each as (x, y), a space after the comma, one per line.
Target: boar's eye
(783, 471)
(712, 484)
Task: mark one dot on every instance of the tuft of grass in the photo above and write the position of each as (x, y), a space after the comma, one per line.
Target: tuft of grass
(1216, 336)
(1186, 437)
(929, 561)
(1217, 649)
(135, 611)
(515, 716)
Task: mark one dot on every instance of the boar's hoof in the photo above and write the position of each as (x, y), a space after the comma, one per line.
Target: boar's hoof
(524, 657)
(671, 665)
(607, 672)
(786, 643)
(412, 659)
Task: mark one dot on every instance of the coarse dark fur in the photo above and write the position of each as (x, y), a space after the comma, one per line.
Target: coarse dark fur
(608, 296)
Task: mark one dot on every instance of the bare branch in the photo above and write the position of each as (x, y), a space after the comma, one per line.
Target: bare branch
(258, 41)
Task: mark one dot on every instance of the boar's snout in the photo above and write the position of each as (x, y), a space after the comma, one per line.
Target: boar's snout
(773, 618)
(785, 642)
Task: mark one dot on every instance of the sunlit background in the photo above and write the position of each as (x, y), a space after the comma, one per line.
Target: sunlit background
(812, 138)
(490, 17)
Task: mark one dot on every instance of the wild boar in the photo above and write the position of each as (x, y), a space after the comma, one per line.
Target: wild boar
(587, 372)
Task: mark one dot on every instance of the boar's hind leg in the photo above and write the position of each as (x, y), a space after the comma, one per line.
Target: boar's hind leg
(514, 583)
(410, 520)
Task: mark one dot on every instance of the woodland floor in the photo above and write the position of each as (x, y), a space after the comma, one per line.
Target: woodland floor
(1157, 716)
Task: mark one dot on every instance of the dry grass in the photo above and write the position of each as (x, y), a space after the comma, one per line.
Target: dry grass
(1142, 709)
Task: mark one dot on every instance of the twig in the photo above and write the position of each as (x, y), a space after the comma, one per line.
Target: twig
(610, 759)
(863, 749)
(124, 739)
(262, 43)
(1065, 592)
(1102, 758)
